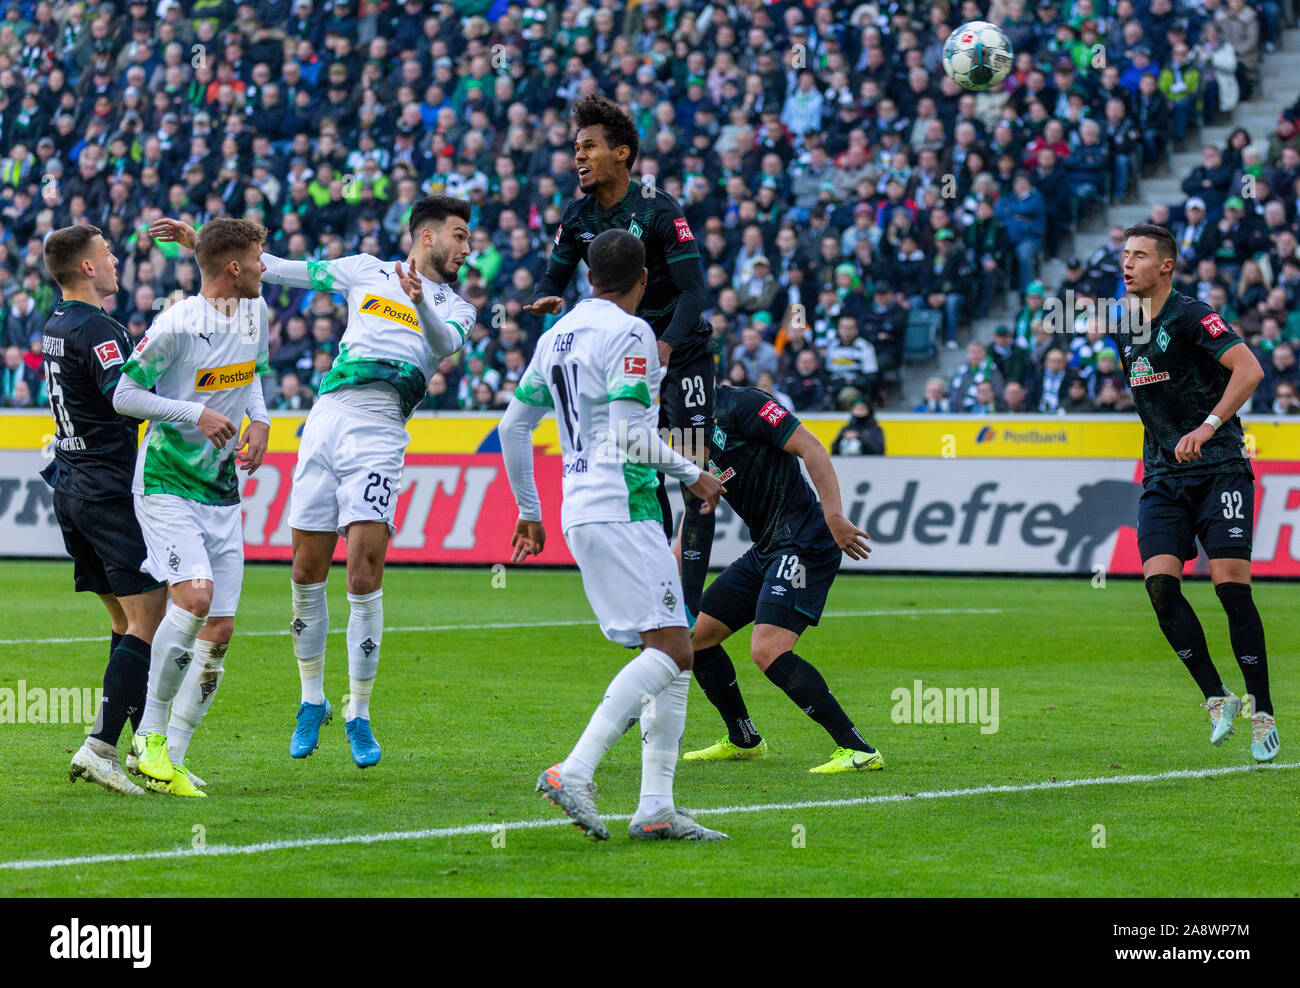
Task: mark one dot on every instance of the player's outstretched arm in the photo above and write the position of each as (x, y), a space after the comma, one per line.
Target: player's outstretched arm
(516, 433)
(848, 536)
(641, 444)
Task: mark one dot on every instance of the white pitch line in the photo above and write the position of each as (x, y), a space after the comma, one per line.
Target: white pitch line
(222, 850)
(901, 612)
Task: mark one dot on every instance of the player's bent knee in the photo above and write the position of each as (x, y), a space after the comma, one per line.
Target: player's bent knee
(1166, 593)
(193, 596)
(218, 629)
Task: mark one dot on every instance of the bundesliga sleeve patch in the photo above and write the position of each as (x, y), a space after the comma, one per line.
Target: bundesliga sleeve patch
(683, 230)
(634, 366)
(1214, 325)
(772, 413)
(109, 354)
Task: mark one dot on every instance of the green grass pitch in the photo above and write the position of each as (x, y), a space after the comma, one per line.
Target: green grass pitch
(469, 715)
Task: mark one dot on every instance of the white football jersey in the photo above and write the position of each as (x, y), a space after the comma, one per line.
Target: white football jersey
(192, 352)
(597, 353)
(383, 343)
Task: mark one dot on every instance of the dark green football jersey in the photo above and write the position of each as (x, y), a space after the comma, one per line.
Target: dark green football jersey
(764, 483)
(658, 221)
(1174, 373)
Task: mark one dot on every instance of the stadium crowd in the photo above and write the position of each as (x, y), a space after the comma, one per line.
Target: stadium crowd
(844, 192)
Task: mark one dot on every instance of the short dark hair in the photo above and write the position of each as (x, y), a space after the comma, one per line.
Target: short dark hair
(615, 261)
(65, 249)
(223, 237)
(1165, 245)
(435, 209)
(595, 110)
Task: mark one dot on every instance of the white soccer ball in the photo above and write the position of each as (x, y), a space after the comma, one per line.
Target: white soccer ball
(977, 56)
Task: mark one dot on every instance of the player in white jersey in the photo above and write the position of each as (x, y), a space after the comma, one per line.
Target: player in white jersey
(598, 368)
(401, 324)
(202, 357)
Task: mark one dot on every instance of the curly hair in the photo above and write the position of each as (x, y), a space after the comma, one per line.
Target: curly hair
(596, 110)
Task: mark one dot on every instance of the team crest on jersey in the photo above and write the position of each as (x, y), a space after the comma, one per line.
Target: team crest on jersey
(108, 354)
(1162, 340)
(772, 413)
(1144, 374)
(1214, 324)
(683, 230)
(403, 315)
(719, 438)
(223, 378)
(634, 228)
(440, 298)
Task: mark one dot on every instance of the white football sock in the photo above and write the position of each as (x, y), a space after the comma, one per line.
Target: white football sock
(662, 726)
(636, 684)
(359, 698)
(170, 656)
(194, 699)
(310, 626)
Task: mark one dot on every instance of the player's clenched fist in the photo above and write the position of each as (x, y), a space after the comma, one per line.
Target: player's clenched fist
(708, 489)
(216, 427)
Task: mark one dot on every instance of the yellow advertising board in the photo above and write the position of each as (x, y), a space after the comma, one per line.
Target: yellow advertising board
(944, 436)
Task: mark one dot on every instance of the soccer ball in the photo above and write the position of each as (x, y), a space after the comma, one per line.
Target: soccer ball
(977, 55)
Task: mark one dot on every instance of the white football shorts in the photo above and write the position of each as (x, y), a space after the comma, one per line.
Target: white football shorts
(630, 577)
(188, 540)
(349, 469)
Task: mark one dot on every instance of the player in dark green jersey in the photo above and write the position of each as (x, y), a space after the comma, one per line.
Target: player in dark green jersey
(781, 583)
(604, 152)
(1190, 373)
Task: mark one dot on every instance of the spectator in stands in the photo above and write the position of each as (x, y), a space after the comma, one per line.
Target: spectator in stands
(1180, 84)
(1151, 114)
(1024, 214)
(292, 397)
(1010, 355)
(755, 355)
(1210, 180)
(1015, 399)
(1050, 385)
(1282, 369)
(438, 396)
(1191, 233)
(1122, 140)
(1284, 401)
(806, 386)
(979, 367)
(936, 398)
(851, 364)
(861, 435)
(945, 286)
(986, 400)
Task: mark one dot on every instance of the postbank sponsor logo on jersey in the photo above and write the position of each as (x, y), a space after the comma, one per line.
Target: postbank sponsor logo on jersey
(403, 315)
(109, 354)
(1214, 325)
(223, 378)
(773, 413)
(1143, 374)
